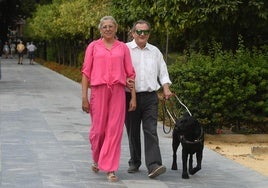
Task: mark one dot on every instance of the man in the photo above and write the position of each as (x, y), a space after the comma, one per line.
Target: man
(31, 49)
(20, 49)
(150, 67)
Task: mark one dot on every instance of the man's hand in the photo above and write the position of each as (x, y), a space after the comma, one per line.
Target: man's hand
(166, 91)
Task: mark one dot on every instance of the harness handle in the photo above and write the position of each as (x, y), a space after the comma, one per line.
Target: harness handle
(171, 115)
(183, 104)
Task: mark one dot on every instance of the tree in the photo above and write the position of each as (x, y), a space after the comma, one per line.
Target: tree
(179, 24)
(66, 23)
(198, 22)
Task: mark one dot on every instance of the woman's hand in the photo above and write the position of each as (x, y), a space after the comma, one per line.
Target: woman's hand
(85, 105)
(132, 104)
(130, 83)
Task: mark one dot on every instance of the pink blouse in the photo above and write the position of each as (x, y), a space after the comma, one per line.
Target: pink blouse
(104, 66)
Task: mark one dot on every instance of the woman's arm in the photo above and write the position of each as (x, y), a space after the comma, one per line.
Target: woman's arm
(85, 103)
(133, 101)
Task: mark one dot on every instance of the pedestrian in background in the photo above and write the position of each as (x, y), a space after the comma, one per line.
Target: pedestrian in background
(31, 52)
(1, 48)
(6, 50)
(12, 49)
(150, 68)
(107, 66)
(20, 49)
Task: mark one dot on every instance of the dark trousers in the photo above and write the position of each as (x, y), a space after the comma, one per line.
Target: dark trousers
(146, 114)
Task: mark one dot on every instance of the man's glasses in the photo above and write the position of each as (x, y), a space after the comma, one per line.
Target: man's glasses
(145, 32)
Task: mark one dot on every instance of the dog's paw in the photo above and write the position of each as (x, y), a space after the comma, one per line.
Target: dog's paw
(194, 170)
(185, 176)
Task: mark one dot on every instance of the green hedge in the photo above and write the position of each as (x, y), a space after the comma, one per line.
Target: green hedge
(224, 88)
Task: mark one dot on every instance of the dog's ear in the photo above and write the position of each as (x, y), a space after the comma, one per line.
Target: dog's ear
(178, 123)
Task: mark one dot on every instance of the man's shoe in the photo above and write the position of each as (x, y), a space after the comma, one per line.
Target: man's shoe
(132, 169)
(157, 171)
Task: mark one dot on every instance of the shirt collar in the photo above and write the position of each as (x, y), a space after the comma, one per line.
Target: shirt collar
(133, 45)
(100, 42)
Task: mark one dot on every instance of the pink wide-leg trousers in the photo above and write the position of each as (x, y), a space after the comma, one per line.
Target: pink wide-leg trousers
(107, 110)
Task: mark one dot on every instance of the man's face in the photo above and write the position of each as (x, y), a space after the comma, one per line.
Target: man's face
(141, 34)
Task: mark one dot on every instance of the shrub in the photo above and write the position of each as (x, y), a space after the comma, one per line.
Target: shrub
(224, 88)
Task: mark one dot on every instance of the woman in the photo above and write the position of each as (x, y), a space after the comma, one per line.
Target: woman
(6, 49)
(107, 66)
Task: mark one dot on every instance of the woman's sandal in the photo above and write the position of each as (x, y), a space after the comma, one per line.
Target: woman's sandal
(94, 167)
(112, 177)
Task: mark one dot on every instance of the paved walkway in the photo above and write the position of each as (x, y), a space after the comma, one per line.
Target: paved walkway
(44, 141)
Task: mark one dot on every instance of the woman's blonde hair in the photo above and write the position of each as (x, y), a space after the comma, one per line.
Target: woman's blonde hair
(107, 18)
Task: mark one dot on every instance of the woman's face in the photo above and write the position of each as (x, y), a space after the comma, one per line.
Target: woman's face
(108, 29)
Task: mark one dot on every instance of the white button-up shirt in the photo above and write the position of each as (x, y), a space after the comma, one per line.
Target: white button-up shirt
(149, 66)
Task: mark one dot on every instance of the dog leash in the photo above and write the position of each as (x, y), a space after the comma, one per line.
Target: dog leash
(183, 105)
(166, 111)
(171, 114)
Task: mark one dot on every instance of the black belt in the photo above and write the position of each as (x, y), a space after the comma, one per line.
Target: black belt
(145, 93)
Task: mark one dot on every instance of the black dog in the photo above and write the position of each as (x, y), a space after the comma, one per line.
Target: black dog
(189, 133)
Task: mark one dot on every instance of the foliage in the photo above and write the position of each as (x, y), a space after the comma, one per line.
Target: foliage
(65, 25)
(42, 22)
(224, 89)
(28, 7)
(176, 24)
(67, 19)
(197, 22)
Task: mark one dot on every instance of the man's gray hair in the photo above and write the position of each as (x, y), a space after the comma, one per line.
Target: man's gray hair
(140, 22)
